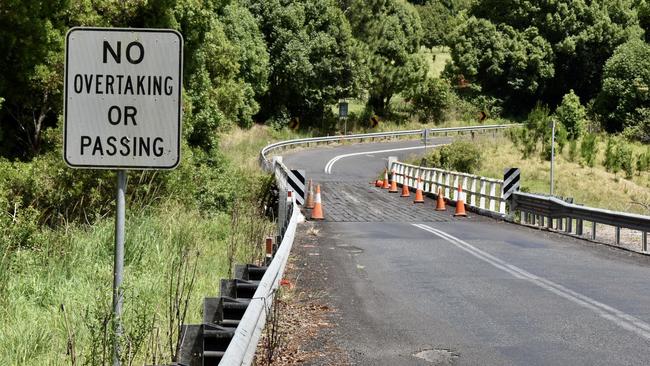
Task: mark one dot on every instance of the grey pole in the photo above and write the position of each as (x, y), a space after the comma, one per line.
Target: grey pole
(119, 262)
(552, 154)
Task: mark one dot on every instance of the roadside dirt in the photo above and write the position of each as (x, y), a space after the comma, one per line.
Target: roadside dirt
(301, 328)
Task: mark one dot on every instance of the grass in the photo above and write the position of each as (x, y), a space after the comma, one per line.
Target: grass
(437, 58)
(74, 268)
(589, 186)
(242, 147)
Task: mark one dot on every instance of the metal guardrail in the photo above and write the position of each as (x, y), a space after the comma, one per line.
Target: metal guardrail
(480, 192)
(570, 218)
(242, 347)
(268, 165)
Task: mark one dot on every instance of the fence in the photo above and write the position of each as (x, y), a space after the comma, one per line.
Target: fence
(481, 193)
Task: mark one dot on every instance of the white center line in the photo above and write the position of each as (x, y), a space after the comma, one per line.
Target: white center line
(328, 166)
(616, 316)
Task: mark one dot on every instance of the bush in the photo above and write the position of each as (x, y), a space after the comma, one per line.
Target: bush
(572, 115)
(431, 99)
(618, 156)
(589, 149)
(460, 156)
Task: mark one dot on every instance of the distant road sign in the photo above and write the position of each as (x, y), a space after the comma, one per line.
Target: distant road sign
(374, 121)
(122, 105)
(343, 109)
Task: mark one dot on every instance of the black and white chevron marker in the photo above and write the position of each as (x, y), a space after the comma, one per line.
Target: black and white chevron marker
(510, 182)
(296, 180)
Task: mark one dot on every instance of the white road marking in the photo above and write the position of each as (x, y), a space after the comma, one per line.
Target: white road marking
(328, 166)
(616, 316)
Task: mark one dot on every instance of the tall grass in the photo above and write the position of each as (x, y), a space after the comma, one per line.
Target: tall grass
(590, 186)
(74, 267)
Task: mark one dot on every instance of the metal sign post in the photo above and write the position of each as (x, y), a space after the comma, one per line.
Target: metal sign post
(552, 153)
(118, 295)
(122, 110)
(425, 139)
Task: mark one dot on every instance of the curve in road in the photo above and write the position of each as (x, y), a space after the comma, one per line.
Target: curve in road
(407, 279)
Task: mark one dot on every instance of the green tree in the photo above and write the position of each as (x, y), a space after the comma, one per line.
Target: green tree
(392, 32)
(31, 60)
(438, 22)
(510, 64)
(625, 94)
(431, 98)
(572, 115)
(583, 35)
(314, 59)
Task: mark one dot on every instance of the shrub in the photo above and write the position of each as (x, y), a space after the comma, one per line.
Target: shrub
(461, 156)
(589, 149)
(572, 115)
(430, 99)
(624, 159)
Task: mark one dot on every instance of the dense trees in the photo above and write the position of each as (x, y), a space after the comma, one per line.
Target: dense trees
(391, 32)
(525, 51)
(624, 100)
(510, 64)
(252, 60)
(314, 58)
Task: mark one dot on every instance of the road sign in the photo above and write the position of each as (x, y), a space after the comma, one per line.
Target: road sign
(510, 182)
(122, 105)
(374, 121)
(343, 109)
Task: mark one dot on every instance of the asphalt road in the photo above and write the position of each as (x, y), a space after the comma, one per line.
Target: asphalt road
(417, 287)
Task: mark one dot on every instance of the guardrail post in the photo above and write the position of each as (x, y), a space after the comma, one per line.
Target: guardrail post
(617, 235)
(560, 223)
(464, 185)
(644, 241)
(493, 192)
(569, 225)
(579, 227)
(593, 230)
(549, 222)
(481, 199)
(454, 187)
(472, 201)
(447, 185)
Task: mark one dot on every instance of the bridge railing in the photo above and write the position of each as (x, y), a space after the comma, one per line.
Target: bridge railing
(481, 193)
(267, 163)
(556, 214)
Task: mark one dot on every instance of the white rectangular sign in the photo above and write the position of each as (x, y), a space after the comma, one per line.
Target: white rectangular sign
(122, 106)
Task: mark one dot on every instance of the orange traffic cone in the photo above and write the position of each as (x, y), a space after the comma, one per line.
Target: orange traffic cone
(309, 202)
(405, 189)
(317, 212)
(418, 192)
(460, 203)
(440, 203)
(393, 183)
(386, 185)
(379, 183)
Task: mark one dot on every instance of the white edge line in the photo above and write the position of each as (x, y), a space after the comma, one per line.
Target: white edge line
(616, 316)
